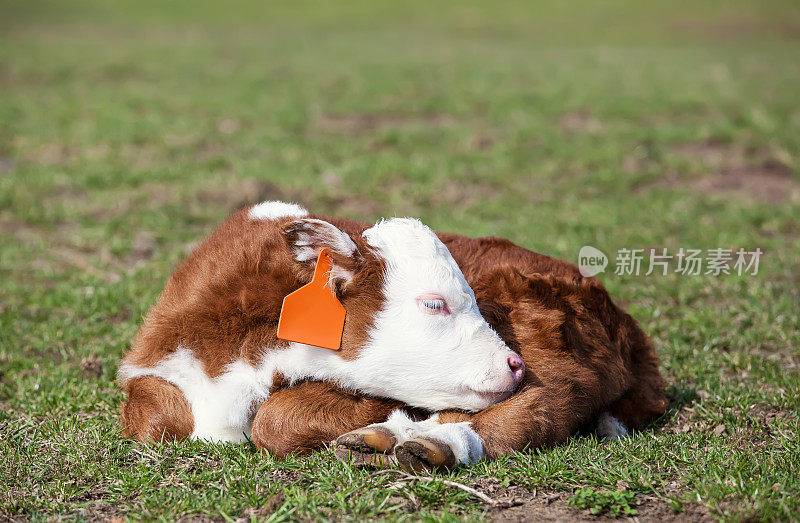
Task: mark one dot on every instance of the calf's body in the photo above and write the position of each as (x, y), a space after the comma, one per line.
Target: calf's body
(207, 362)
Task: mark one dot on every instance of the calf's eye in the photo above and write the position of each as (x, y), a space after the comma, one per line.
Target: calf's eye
(434, 305)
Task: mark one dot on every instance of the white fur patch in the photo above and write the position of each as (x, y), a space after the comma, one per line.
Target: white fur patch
(610, 428)
(465, 443)
(312, 234)
(272, 210)
(222, 407)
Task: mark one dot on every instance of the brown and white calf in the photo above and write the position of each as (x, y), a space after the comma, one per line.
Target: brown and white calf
(586, 361)
(208, 356)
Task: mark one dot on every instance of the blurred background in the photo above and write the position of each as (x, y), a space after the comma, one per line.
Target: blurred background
(129, 129)
(537, 121)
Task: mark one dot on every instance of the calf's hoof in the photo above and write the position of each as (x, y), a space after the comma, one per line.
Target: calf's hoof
(370, 446)
(424, 455)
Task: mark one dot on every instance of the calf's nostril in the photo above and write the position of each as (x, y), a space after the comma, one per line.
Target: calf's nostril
(517, 366)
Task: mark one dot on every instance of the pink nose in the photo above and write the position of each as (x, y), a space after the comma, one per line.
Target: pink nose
(517, 367)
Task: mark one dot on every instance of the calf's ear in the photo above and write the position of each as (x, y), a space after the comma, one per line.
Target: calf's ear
(308, 236)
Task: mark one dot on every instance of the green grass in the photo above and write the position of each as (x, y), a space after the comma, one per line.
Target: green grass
(615, 503)
(129, 129)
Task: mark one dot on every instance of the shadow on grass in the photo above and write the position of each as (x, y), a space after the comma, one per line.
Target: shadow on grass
(680, 396)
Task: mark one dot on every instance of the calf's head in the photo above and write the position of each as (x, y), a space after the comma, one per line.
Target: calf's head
(413, 330)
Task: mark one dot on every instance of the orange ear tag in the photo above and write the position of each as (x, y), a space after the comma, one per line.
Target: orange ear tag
(312, 314)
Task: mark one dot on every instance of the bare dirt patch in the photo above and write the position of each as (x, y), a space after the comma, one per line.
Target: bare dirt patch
(354, 124)
(482, 140)
(231, 194)
(752, 174)
(102, 511)
(762, 428)
(272, 504)
(65, 246)
(730, 27)
(537, 505)
(92, 366)
(759, 430)
(455, 193)
(738, 170)
(580, 122)
(466, 194)
(106, 206)
(6, 164)
(516, 502)
(235, 193)
(651, 508)
(330, 198)
(770, 412)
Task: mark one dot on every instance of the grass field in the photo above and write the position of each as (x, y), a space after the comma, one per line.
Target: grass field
(129, 129)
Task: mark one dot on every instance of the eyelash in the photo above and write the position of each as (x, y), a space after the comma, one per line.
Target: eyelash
(435, 305)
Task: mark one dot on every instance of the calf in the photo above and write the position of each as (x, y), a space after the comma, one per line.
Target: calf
(208, 355)
(586, 361)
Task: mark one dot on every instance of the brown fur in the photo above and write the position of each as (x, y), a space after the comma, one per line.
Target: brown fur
(155, 411)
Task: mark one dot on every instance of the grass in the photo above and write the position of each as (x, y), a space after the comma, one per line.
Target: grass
(615, 503)
(129, 129)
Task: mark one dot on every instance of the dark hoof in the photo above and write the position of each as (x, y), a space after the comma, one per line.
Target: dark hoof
(367, 447)
(424, 455)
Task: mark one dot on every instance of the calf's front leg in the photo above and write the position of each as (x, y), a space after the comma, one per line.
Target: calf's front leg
(452, 438)
(306, 416)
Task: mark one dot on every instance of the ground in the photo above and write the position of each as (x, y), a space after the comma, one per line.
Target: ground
(129, 129)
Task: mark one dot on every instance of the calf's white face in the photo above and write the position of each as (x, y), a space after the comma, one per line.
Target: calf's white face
(428, 344)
